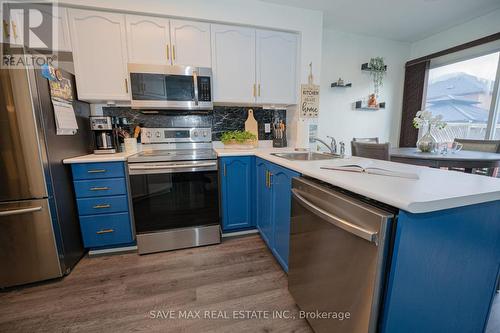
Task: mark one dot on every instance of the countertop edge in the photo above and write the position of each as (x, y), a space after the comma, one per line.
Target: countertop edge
(412, 207)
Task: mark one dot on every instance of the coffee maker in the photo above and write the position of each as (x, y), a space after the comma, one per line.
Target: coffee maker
(104, 141)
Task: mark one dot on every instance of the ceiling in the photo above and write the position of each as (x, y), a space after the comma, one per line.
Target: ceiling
(403, 20)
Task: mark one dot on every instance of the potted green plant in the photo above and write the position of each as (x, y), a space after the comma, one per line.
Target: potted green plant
(239, 139)
(377, 69)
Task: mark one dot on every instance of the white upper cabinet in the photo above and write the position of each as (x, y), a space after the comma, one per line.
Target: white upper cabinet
(276, 67)
(148, 40)
(233, 64)
(61, 26)
(99, 54)
(190, 43)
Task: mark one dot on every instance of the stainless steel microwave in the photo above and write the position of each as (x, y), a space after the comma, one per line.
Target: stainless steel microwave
(170, 87)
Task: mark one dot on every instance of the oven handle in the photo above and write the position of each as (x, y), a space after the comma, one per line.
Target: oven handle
(192, 167)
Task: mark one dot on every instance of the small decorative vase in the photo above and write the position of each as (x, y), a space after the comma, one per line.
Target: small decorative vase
(427, 143)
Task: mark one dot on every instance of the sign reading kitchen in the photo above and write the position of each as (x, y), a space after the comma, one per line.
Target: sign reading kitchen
(309, 101)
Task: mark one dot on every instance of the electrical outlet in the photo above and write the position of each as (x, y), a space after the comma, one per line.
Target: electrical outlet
(267, 128)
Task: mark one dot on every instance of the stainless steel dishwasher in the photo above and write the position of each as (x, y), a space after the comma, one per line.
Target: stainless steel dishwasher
(338, 247)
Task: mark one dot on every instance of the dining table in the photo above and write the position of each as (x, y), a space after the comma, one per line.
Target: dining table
(464, 159)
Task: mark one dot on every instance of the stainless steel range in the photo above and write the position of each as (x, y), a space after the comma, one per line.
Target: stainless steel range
(174, 187)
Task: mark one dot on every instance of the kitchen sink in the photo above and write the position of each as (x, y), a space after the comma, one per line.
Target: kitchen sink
(307, 156)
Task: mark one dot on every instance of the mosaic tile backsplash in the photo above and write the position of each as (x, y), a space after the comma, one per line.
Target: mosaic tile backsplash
(221, 119)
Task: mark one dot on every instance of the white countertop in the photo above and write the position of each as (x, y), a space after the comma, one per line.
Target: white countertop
(434, 190)
(93, 158)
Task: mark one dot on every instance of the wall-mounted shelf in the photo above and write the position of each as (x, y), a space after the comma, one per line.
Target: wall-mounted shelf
(366, 67)
(336, 85)
(358, 106)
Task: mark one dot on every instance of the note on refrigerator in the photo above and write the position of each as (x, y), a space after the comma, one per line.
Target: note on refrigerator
(65, 118)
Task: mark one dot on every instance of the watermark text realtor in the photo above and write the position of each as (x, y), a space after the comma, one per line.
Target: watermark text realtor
(28, 34)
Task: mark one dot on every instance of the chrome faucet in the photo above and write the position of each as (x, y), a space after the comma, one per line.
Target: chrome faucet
(332, 146)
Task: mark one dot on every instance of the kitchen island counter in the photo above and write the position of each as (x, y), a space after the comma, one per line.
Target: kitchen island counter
(434, 190)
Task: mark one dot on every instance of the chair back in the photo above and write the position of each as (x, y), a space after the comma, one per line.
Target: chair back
(366, 140)
(378, 151)
(487, 146)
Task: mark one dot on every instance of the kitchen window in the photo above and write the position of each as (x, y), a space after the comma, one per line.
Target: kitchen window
(464, 91)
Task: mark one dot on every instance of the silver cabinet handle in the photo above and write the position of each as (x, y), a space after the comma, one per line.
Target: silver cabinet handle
(105, 231)
(20, 211)
(105, 188)
(96, 171)
(102, 206)
(336, 221)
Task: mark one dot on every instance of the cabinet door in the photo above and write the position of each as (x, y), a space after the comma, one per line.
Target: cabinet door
(148, 40)
(190, 43)
(13, 26)
(281, 185)
(237, 183)
(233, 63)
(100, 55)
(63, 41)
(263, 202)
(60, 30)
(276, 67)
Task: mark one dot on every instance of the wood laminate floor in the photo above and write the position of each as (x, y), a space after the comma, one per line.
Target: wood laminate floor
(117, 293)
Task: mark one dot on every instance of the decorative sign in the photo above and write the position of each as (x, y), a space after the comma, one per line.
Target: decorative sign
(309, 101)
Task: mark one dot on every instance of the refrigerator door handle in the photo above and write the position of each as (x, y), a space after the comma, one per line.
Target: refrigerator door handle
(20, 211)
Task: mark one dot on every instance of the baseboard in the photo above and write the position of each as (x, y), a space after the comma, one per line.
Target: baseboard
(114, 250)
(240, 233)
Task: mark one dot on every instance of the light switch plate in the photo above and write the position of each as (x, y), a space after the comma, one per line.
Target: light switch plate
(267, 128)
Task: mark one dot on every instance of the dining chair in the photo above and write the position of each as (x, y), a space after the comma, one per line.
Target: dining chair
(378, 151)
(366, 140)
(487, 146)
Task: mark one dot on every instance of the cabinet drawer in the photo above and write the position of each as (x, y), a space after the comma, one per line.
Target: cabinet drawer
(100, 187)
(98, 170)
(102, 205)
(105, 229)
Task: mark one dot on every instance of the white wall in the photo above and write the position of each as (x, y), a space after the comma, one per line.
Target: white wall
(460, 34)
(343, 54)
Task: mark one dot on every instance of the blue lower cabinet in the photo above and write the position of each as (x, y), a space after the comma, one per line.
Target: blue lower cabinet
(237, 179)
(103, 204)
(100, 187)
(281, 187)
(444, 270)
(98, 170)
(263, 201)
(105, 229)
(273, 201)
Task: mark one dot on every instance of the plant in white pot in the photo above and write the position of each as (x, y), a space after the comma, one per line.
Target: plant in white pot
(426, 121)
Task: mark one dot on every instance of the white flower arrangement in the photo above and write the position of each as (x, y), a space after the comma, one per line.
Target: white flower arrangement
(425, 118)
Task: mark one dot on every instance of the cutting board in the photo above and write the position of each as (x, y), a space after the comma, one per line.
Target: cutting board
(251, 124)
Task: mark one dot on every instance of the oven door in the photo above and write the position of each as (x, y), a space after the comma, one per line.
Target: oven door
(174, 195)
(170, 87)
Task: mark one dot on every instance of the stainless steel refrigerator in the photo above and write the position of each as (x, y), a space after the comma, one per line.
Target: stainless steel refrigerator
(39, 230)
